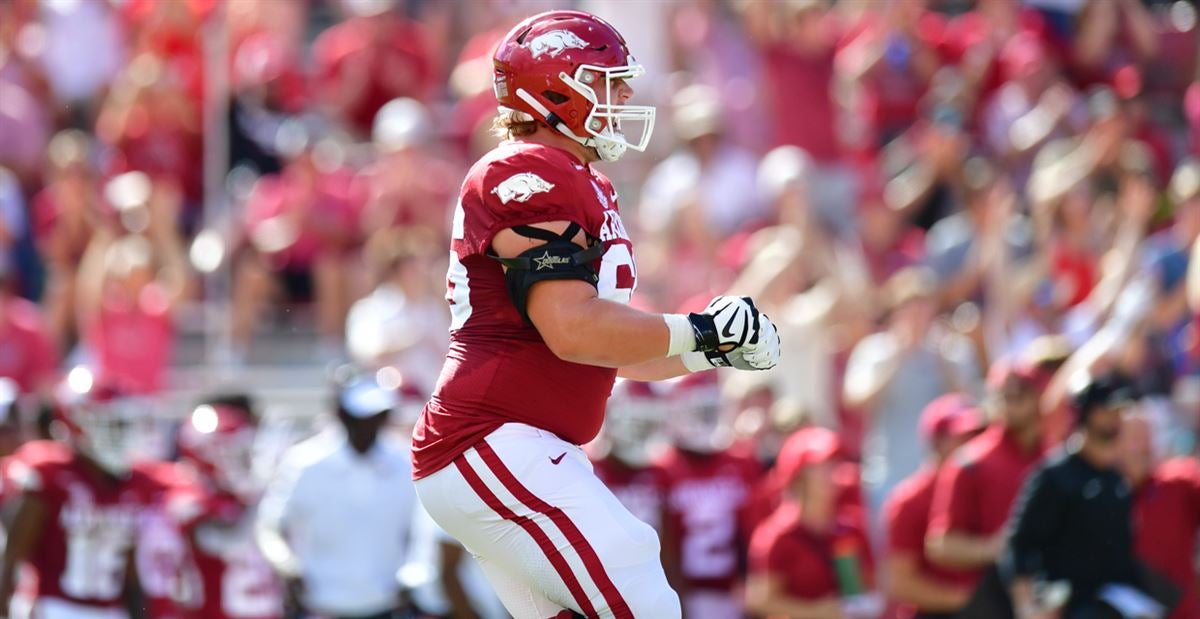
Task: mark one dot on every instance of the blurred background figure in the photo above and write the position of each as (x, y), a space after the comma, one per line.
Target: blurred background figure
(631, 440)
(892, 375)
(810, 557)
(708, 492)
(302, 236)
(336, 519)
(1165, 518)
(920, 588)
(28, 355)
(701, 195)
(132, 279)
(402, 322)
(975, 490)
(213, 503)
(81, 487)
(1074, 499)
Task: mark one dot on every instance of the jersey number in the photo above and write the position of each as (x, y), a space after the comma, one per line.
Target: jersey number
(458, 287)
(95, 564)
(247, 587)
(708, 548)
(618, 275)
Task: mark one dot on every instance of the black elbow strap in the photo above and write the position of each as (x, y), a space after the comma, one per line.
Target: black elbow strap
(559, 258)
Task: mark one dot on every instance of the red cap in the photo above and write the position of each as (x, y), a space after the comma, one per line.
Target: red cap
(951, 415)
(804, 448)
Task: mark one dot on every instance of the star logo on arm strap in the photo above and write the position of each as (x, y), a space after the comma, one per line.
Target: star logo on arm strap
(546, 261)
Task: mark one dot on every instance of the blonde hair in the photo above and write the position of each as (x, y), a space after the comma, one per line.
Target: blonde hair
(510, 124)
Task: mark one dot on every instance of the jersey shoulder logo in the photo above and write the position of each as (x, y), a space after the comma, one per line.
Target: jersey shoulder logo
(555, 42)
(521, 187)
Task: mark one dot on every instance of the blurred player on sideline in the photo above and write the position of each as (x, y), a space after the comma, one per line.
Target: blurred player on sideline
(211, 505)
(78, 506)
(623, 455)
(708, 501)
(541, 272)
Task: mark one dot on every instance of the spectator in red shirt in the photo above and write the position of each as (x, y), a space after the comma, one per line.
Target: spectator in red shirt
(65, 214)
(303, 230)
(807, 559)
(154, 126)
(371, 58)
(799, 43)
(1166, 511)
(976, 487)
(129, 286)
(27, 353)
(920, 588)
(889, 60)
(411, 181)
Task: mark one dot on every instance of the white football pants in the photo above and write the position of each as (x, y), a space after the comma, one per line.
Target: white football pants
(549, 535)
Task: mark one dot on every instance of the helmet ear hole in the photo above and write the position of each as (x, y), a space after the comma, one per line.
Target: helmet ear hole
(554, 97)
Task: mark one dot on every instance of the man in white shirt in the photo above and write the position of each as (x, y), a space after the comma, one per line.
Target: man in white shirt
(335, 521)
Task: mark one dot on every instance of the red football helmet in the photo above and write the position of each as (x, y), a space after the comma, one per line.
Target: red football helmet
(102, 422)
(549, 68)
(696, 418)
(633, 422)
(219, 442)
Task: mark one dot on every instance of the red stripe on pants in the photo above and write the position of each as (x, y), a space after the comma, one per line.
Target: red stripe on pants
(543, 541)
(591, 560)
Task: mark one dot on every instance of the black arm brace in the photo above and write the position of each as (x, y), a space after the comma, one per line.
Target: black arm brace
(559, 258)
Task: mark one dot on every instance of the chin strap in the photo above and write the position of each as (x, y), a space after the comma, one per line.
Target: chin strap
(552, 119)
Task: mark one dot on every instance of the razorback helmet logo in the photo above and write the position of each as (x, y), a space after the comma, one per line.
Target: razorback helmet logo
(521, 187)
(554, 42)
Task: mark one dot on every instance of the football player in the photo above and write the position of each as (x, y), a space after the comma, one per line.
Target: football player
(541, 274)
(79, 503)
(623, 454)
(214, 510)
(708, 492)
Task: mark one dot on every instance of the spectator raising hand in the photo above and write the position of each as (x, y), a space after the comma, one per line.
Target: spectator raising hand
(131, 282)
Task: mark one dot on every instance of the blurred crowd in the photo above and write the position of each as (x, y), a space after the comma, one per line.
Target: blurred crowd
(951, 208)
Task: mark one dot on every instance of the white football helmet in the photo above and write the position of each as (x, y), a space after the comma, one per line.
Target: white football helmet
(696, 419)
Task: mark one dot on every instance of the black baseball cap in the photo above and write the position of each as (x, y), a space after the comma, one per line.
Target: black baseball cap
(1108, 390)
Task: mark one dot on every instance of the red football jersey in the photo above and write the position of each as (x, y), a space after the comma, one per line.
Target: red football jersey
(708, 500)
(642, 491)
(498, 369)
(161, 555)
(235, 581)
(83, 552)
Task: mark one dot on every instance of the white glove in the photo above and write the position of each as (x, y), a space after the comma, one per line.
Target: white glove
(725, 324)
(763, 349)
(750, 337)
